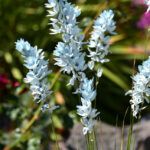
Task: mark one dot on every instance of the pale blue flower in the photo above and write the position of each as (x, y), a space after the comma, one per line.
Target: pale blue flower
(99, 72)
(86, 89)
(104, 27)
(63, 17)
(68, 53)
(85, 110)
(47, 107)
(88, 115)
(69, 56)
(88, 125)
(91, 64)
(141, 88)
(38, 70)
(69, 59)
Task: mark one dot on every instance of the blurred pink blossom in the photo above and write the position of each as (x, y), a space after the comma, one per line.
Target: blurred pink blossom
(144, 21)
(138, 2)
(4, 81)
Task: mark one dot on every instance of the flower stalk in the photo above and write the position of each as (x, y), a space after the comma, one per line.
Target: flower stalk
(71, 58)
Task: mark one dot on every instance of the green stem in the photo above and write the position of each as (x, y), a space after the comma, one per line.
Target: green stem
(94, 134)
(33, 119)
(146, 42)
(122, 132)
(91, 144)
(130, 136)
(53, 130)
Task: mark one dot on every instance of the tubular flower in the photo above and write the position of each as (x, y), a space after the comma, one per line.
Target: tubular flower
(104, 26)
(68, 53)
(86, 89)
(141, 88)
(85, 110)
(38, 70)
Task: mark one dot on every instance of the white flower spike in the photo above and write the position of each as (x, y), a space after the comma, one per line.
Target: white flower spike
(85, 110)
(38, 70)
(141, 88)
(68, 54)
(104, 27)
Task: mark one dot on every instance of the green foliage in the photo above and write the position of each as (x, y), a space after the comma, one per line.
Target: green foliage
(22, 126)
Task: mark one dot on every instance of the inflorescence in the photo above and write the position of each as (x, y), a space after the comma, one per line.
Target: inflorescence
(104, 27)
(141, 88)
(38, 71)
(73, 60)
(68, 54)
(70, 57)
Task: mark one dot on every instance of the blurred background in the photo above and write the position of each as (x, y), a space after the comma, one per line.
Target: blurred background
(22, 125)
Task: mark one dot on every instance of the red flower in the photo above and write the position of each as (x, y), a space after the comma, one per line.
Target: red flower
(15, 84)
(4, 81)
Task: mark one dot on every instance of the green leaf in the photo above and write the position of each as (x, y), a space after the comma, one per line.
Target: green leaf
(115, 78)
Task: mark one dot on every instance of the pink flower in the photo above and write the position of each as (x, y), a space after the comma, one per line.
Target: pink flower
(15, 84)
(5, 82)
(144, 21)
(138, 2)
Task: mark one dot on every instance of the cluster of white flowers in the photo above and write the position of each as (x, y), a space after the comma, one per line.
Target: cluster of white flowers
(104, 26)
(147, 2)
(38, 70)
(85, 110)
(68, 53)
(69, 56)
(141, 88)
